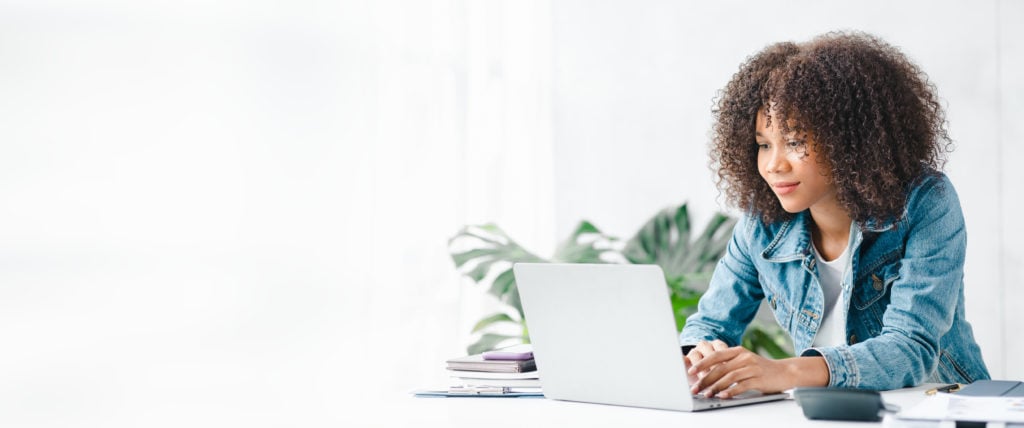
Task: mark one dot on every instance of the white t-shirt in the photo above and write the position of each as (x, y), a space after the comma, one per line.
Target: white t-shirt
(832, 331)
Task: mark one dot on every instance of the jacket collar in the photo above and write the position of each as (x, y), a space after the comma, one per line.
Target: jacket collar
(793, 239)
(874, 225)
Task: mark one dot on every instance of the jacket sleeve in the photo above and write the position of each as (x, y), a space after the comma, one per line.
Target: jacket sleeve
(733, 296)
(923, 299)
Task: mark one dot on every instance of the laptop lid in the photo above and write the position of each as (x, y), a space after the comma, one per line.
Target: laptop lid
(604, 333)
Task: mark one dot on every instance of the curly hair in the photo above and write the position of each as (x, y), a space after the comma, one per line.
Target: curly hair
(874, 118)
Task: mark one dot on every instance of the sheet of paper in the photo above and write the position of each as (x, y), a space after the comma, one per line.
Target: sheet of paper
(952, 407)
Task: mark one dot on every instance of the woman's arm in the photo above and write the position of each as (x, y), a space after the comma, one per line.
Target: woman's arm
(922, 303)
(732, 298)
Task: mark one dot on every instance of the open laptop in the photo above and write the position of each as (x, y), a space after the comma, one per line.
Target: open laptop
(604, 333)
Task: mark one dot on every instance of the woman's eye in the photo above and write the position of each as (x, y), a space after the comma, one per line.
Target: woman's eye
(795, 145)
(762, 146)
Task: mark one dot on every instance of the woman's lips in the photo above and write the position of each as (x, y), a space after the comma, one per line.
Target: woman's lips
(785, 187)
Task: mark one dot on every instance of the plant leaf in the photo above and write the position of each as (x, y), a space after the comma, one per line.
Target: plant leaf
(759, 340)
(492, 256)
(504, 288)
(711, 245)
(684, 304)
(665, 240)
(497, 318)
(461, 258)
(503, 285)
(587, 244)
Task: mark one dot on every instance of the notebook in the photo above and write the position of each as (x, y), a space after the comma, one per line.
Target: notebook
(478, 363)
(993, 388)
(604, 333)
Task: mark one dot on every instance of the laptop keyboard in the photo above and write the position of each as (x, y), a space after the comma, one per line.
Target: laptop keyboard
(704, 399)
(712, 400)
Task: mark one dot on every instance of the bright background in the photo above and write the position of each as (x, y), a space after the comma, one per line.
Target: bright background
(236, 212)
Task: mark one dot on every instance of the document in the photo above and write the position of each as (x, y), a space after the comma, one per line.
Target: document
(951, 407)
(470, 391)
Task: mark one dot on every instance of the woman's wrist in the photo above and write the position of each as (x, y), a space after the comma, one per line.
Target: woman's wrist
(807, 371)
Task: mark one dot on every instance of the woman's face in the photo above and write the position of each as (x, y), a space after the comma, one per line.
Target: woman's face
(790, 165)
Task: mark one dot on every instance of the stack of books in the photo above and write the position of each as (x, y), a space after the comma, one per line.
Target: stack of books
(508, 370)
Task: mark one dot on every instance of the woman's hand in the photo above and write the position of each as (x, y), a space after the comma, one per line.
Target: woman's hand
(716, 369)
(698, 353)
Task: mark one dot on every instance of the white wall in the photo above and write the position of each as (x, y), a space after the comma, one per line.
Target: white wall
(1010, 152)
(236, 213)
(634, 84)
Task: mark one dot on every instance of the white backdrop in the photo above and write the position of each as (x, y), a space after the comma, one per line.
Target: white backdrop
(236, 212)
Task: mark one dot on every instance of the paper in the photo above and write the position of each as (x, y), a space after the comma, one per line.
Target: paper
(481, 392)
(956, 408)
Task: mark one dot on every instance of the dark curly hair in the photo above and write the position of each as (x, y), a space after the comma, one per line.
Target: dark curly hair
(874, 117)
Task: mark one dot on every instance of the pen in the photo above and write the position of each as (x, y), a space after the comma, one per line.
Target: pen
(947, 388)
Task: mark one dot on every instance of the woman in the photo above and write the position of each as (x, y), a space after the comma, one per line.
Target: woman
(851, 232)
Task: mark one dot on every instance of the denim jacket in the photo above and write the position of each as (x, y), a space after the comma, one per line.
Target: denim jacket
(903, 293)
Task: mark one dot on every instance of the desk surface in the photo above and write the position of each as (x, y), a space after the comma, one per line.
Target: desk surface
(539, 412)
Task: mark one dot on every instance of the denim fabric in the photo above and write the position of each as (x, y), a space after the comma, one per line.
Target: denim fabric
(903, 294)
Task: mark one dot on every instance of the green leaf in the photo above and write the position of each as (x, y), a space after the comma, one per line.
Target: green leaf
(490, 254)
(760, 340)
(503, 284)
(665, 240)
(587, 244)
(463, 257)
(710, 246)
(684, 305)
(497, 318)
(488, 342)
(479, 272)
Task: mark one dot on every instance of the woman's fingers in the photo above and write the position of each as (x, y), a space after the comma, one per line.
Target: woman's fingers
(733, 382)
(700, 351)
(713, 367)
(708, 360)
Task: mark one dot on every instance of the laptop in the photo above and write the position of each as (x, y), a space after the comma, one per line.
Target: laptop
(604, 333)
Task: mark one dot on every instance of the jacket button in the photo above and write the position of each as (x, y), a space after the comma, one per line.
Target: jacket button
(771, 302)
(877, 282)
(853, 339)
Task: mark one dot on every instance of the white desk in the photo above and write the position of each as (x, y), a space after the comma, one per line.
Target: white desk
(538, 412)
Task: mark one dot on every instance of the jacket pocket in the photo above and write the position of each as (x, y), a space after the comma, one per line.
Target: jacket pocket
(875, 284)
(951, 370)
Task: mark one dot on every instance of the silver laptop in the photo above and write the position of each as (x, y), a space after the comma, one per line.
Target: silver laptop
(604, 333)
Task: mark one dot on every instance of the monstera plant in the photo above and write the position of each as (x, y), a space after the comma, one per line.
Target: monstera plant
(486, 254)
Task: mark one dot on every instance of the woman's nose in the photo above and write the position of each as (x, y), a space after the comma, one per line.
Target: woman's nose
(776, 161)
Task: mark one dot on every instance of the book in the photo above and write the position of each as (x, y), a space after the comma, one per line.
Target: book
(494, 375)
(517, 352)
(476, 362)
